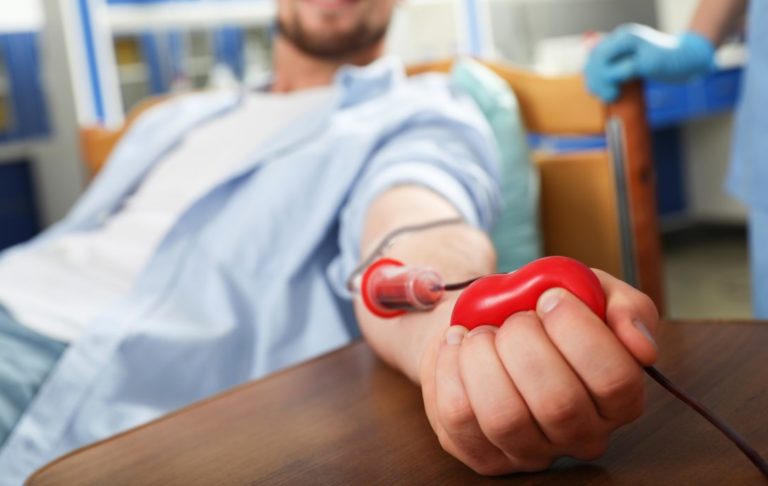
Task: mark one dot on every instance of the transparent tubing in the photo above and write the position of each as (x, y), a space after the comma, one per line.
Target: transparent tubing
(389, 288)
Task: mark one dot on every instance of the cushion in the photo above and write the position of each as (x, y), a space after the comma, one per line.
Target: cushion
(516, 235)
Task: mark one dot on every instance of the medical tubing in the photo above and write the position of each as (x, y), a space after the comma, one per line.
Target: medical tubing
(657, 376)
(720, 424)
(388, 240)
(459, 285)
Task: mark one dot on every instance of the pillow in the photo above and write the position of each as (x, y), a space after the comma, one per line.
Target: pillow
(516, 235)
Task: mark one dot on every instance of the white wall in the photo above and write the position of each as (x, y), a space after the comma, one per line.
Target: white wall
(674, 15)
(424, 31)
(20, 15)
(707, 145)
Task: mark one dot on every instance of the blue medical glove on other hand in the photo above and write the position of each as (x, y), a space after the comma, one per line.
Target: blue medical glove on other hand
(633, 51)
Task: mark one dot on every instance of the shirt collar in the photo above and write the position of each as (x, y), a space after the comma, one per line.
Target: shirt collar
(361, 83)
(356, 84)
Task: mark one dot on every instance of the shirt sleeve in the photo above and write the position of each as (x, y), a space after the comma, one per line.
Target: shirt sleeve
(456, 159)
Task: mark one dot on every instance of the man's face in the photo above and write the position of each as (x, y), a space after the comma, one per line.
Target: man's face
(333, 29)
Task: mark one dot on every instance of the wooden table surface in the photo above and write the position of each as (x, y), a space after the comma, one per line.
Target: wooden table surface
(346, 418)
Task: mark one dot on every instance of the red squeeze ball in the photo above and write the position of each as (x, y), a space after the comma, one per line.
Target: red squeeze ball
(490, 300)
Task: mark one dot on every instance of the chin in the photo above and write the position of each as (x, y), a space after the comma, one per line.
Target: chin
(339, 14)
(331, 28)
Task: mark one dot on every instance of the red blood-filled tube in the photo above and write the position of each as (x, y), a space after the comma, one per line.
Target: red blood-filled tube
(390, 289)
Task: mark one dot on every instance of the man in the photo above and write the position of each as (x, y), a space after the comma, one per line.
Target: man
(215, 246)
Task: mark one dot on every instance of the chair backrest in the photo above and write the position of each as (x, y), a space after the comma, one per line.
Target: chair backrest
(96, 143)
(597, 206)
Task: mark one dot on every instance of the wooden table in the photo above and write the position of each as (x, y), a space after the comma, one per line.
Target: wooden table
(346, 418)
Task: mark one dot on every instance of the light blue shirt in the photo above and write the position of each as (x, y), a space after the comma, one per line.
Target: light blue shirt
(748, 174)
(250, 278)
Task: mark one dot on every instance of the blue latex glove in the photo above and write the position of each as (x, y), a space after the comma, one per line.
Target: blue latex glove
(633, 51)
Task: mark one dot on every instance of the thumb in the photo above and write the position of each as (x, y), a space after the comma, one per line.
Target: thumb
(565, 315)
(633, 318)
(622, 70)
(635, 333)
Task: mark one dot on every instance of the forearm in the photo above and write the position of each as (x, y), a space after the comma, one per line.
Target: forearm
(457, 251)
(715, 19)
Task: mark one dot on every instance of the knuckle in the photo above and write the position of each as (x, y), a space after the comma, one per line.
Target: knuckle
(475, 460)
(447, 444)
(560, 412)
(623, 384)
(474, 456)
(503, 422)
(455, 413)
(490, 468)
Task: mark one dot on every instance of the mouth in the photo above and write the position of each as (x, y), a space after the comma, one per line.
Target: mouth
(332, 4)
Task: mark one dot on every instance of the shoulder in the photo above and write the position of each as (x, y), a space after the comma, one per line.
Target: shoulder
(438, 94)
(430, 106)
(382, 90)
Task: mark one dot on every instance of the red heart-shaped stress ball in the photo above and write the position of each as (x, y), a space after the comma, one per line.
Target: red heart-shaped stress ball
(490, 300)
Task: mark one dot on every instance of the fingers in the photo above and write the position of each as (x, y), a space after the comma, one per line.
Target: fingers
(553, 393)
(620, 43)
(609, 372)
(556, 382)
(632, 316)
(457, 427)
(611, 63)
(621, 71)
(501, 413)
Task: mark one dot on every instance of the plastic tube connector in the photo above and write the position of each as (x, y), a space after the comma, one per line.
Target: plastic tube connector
(390, 289)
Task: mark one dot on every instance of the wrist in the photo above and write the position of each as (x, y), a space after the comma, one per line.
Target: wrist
(700, 47)
(700, 35)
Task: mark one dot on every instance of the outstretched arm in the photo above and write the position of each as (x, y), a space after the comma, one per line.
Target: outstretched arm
(546, 384)
(459, 252)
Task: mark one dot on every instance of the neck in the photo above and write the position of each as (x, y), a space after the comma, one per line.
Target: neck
(296, 70)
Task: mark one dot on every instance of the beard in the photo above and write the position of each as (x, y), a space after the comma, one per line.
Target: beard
(332, 47)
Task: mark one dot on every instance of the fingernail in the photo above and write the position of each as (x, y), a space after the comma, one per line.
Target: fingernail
(482, 330)
(645, 332)
(549, 300)
(455, 335)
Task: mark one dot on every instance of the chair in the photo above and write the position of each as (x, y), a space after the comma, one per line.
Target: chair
(96, 143)
(597, 206)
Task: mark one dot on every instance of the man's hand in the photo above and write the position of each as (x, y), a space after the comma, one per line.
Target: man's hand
(555, 382)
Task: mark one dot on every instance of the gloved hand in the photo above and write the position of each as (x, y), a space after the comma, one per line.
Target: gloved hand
(633, 51)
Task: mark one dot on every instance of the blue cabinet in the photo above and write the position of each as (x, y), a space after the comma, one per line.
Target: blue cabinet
(18, 214)
(27, 112)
